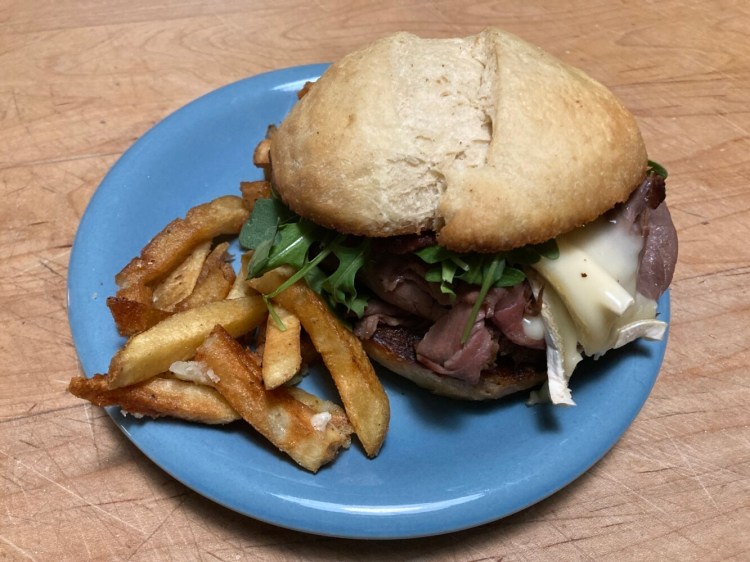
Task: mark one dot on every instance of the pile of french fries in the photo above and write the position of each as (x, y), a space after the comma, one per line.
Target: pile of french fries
(201, 345)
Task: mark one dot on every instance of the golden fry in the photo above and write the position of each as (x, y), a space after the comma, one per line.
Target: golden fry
(177, 337)
(254, 190)
(282, 354)
(214, 281)
(178, 239)
(240, 288)
(133, 317)
(364, 399)
(311, 431)
(181, 282)
(165, 252)
(158, 397)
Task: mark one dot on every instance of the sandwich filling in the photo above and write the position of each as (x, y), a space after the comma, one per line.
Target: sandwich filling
(466, 315)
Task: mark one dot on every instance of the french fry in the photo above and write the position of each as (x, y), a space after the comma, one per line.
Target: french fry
(254, 190)
(181, 282)
(164, 253)
(158, 397)
(262, 154)
(240, 288)
(364, 399)
(176, 338)
(282, 355)
(133, 317)
(214, 281)
(178, 239)
(309, 430)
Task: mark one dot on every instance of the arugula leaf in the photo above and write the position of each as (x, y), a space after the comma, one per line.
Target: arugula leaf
(510, 277)
(341, 284)
(259, 232)
(292, 244)
(656, 168)
(279, 237)
(486, 270)
(262, 224)
(491, 271)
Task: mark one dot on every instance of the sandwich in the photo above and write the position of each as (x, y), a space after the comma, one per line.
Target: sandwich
(483, 214)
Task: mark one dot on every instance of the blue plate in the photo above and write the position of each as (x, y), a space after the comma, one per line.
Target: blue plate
(446, 465)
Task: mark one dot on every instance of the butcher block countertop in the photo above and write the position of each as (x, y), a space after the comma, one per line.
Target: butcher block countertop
(80, 82)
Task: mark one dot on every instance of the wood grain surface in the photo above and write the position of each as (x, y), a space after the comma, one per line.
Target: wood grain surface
(81, 81)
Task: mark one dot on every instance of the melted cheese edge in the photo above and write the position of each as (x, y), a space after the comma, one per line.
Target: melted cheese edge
(589, 300)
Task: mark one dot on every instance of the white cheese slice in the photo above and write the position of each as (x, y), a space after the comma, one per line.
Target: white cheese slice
(589, 300)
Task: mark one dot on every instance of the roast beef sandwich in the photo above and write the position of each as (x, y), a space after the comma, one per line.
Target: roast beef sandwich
(483, 213)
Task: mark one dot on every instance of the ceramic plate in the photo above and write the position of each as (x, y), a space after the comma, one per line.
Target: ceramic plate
(445, 466)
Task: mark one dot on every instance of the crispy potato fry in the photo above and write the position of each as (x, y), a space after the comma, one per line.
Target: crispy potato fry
(132, 317)
(157, 397)
(177, 337)
(364, 399)
(262, 154)
(240, 288)
(254, 190)
(282, 355)
(214, 281)
(309, 430)
(171, 246)
(165, 252)
(181, 282)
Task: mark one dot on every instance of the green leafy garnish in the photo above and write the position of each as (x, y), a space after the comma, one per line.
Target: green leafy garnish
(279, 237)
(656, 168)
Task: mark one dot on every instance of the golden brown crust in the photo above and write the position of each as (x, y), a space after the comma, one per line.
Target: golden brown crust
(488, 140)
(157, 397)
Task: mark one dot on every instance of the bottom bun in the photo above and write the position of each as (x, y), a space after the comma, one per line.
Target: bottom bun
(393, 348)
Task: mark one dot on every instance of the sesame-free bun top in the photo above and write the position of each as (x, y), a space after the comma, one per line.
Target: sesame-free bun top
(487, 140)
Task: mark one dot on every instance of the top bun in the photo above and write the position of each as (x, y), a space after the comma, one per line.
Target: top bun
(487, 140)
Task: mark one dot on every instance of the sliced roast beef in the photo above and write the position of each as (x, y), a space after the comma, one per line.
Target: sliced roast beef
(404, 244)
(646, 212)
(441, 348)
(399, 280)
(378, 312)
(659, 254)
(511, 306)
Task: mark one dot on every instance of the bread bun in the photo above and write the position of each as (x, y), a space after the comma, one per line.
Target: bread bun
(487, 140)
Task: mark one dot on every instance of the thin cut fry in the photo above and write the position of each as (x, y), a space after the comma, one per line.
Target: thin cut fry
(214, 281)
(171, 246)
(311, 432)
(164, 253)
(158, 397)
(254, 190)
(181, 282)
(364, 399)
(177, 337)
(240, 288)
(262, 154)
(133, 317)
(282, 355)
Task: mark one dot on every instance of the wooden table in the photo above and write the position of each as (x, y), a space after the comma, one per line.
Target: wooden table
(81, 81)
